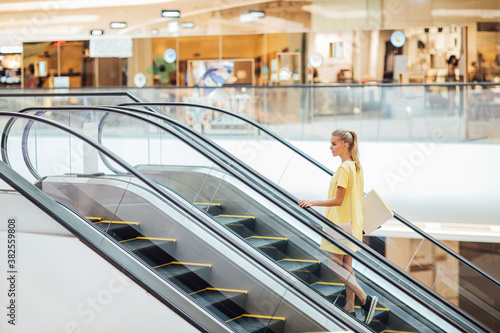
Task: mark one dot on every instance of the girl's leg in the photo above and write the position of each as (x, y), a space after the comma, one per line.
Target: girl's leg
(341, 265)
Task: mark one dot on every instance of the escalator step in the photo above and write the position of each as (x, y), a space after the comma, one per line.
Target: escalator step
(190, 277)
(380, 318)
(274, 247)
(120, 230)
(93, 219)
(210, 208)
(240, 224)
(154, 251)
(329, 289)
(257, 324)
(225, 303)
(305, 269)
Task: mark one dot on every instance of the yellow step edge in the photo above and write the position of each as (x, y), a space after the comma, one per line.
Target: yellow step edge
(257, 316)
(329, 283)
(229, 215)
(300, 260)
(221, 289)
(150, 238)
(208, 204)
(381, 309)
(268, 237)
(183, 263)
(117, 222)
(93, 218)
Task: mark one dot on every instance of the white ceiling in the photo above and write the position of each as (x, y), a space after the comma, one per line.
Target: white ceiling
(48, 20)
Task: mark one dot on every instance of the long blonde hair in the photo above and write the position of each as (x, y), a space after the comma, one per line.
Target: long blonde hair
(351, 139)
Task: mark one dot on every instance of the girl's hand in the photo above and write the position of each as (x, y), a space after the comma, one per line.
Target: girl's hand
(306, 203)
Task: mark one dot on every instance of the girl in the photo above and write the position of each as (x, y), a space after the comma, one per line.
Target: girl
(344, 204)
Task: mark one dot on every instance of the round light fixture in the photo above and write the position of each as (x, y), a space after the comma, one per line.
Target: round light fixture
(316, 60)
(140, 80)
(170, 56)
(398, 38)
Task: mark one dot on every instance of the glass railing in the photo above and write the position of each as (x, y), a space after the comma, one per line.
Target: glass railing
(168, 158)
(12, 102)
(439, 112)
(215, 283)
(406, 246)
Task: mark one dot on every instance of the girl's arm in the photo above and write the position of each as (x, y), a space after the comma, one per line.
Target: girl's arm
(337, 201)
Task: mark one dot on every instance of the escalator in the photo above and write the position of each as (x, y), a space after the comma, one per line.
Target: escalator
(187, 262)
(278, 235)
(450, 275)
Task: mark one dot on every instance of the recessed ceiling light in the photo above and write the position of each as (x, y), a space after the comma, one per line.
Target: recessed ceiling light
(154, 31)
(118, 25)
(97, 32)
(251, 16)
(187, 25)
(171, 13)
(11, 49)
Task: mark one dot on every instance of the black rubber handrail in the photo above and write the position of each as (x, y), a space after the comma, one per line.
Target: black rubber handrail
(188, 211)
(271, 198)
(315, 163)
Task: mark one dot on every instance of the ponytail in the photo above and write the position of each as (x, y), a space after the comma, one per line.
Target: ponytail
(351, 139)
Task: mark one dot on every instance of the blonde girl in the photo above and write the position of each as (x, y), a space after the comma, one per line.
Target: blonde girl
(344, 204)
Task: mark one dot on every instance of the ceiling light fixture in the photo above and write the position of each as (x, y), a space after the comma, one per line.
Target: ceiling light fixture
(187, 25)
(154, 31)
(11, 49)
(118, 25)
(251, 16)
(97, 32)
(171, 13)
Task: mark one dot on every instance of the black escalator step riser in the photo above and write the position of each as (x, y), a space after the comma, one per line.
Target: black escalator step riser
(189, 279)
(240, 230)
(305, 270)
(212, 209)
(257, 325)
(334, 292)
(236, 220)
(272, 246)
(379, 321)
(153, 252)
(225, 304)
(120, 231)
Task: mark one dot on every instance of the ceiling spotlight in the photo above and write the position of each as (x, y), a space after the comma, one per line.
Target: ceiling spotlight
(251, 16)
(171, 13)
(118, 25)
(11, 49)
(97, 32)
(258, 14)
(154, 31)
(187, 25)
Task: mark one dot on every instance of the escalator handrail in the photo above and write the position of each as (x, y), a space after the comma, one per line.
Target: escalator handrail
(62, 215)
(132, 171)
(299, 218)
(317, 164)
(72, 94)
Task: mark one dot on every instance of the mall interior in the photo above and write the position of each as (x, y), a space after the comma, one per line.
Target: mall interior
(154, 152)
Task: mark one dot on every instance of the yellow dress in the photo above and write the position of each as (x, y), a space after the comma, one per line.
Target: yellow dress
(344, 213)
